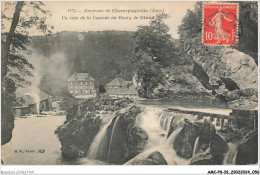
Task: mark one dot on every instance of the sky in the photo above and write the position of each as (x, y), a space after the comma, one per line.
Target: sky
(65, 14)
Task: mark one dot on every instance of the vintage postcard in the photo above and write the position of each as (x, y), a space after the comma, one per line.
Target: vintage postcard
(130, 83)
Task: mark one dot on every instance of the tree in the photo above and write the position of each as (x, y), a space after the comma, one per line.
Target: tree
(148, 76)
(155, 40)
(101, 88)
(15, 66)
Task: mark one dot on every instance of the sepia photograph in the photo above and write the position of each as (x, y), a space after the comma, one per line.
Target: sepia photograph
(129, 83)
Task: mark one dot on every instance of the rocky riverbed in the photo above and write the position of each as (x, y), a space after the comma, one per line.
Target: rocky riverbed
(120, 131)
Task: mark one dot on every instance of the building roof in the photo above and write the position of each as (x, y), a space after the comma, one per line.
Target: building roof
(123, 91)
(28, 96)
(81, 77)
(132, 90)
(119, 82)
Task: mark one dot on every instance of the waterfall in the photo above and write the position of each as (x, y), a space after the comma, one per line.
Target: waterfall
(98, 146)
(111, 139)
(196, 144)
(101, 145)
(230, 156)
(165, 122)
(154, 125)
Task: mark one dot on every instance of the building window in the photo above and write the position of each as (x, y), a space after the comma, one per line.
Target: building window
(80, 87)
(70, 83)
(89, 91)
(89, 83)
(71, 92)
(76, 92)
(76, 87)
(80, 83)
(86, 91)
(71, 87)
(76, 83)
(86, 83)
(86, 87)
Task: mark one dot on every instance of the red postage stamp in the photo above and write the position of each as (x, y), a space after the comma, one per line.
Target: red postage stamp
(220, 24)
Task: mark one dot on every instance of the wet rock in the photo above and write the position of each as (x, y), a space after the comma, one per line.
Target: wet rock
(184, 141)
(206, 132)
(176, 122)
(218, 147)
(247, 152)
(77, 134)
(211, 146)
(120, 132)
(155, 158)
(82, 124)
(137, 140)
(204, 158)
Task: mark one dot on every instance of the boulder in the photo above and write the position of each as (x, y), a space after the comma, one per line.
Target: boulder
(137, 140)
(233, 70)
(185, 140)
(211, 147)
(77, 134)
(155, 158)
(247, 152)
(206, 132)
(230, 64)
(176, 122)
(124, 140)
(204, 158)
(218, 147)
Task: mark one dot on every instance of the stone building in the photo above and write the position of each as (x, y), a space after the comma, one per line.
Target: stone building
(81, 85)
(121, 88)
(28, 105)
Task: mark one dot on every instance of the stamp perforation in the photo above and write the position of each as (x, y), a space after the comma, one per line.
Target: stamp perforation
(236, 38)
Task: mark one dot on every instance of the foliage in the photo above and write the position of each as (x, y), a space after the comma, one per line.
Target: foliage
(148, 76)
(14, 50)
(67, 101)
(101, 88)
(105, 55)
(155, 40)
(18, 67)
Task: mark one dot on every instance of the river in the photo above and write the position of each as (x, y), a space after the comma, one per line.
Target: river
(34, 141)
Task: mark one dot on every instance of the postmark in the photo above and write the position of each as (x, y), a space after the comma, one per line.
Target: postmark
(220, 24)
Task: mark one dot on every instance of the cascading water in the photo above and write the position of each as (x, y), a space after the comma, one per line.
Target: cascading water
(195, 146)
(157, 127)
(98, 146)
(106, 144)
(230, 156)
(165, 122)
(111, 139)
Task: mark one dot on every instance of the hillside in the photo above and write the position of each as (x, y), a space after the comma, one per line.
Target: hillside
(104, 55)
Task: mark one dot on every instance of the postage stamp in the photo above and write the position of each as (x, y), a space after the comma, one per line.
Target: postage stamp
(220, 24)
